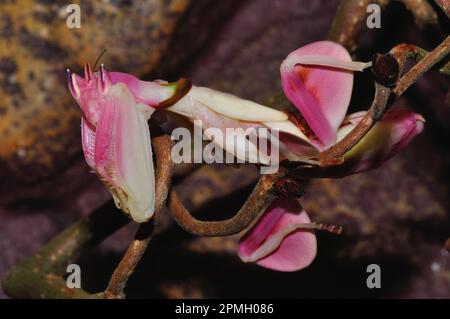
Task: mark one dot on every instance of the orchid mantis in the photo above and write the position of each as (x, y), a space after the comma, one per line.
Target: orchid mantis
(317, 79)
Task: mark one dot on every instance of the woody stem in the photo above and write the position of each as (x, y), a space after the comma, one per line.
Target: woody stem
(382, 101)
(430, 60)
(259, 199)
(137, 248)
(46, 268)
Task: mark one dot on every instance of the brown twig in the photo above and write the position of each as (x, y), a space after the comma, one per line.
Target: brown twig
(41, 275)
(130, 260)
(423, 12)
(444, 5)
(260, 198)
(350, 20)
(329, 156)
(382, 102)
(417, 54)
(115, 290)
(433, 58)
(263, 193)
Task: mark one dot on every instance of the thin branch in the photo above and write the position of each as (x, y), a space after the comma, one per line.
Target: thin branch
(423, 12)
(329, 156)
(382, 102)
(263, 193)
(259, 199)
(130, 260)
(433, 58)
(115, 290)
(41, 275)
(350, 21)
(444, 5)
(417, 54)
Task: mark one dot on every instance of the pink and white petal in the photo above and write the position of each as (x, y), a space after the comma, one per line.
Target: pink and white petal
(279, 240)
(292, 143)
(297, 150)
(222, 111)
(321, 93)
(235, 107)
(155, 94)
(123, 154)
(195, 110)
(184, 107)
(287, 127)
(88, 142)
(389, 136)
(211, 118)
(349, 123)
(330, 61)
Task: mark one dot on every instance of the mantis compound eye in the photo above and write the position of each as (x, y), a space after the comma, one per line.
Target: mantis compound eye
(73, 85)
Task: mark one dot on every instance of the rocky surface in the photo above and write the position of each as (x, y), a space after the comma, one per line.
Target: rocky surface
(396, 216)
(39, 121)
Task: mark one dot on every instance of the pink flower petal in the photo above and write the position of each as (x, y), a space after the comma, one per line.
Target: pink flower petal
(198, 107)
(88, 142)
(329, 61)
(297, 150)
(388, 137)
(123, 154)
(277, 242)
(155, 94)
(235, 107)
(322, 94)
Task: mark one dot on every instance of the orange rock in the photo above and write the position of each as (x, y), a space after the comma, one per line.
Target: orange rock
(39, 122)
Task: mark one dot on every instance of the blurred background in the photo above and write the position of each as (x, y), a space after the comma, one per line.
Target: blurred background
(396, 216)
